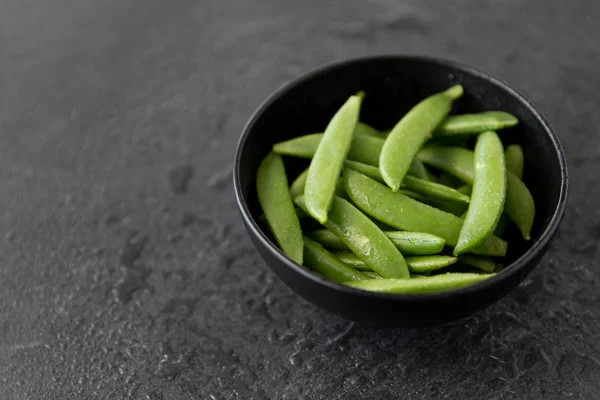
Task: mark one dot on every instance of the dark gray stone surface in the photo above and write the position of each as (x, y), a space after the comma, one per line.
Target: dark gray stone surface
(125, 270)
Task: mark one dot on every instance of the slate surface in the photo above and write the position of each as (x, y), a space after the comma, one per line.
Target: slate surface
(125, 270)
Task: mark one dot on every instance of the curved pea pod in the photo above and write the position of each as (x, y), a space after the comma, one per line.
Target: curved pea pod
(417, 264)
(409, 243)
(427, 284)
(364, 149)
(519, 206)
(515, 160)
(488, 195)
(482, 262)
(411, 132)
(454, 160)
(465, 124)
(278, 208)
(369, 170)
(299, 184)
(325, 263)
(328, 161)
(404, 213)
(433, 190)
(364, 238)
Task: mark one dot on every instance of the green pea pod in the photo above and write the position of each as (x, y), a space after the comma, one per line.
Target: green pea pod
(483, 263)
(372, 275)
(369, 170)
(411, 132)
(409, 243)
(276, 203)
(367, 130)
(328, 161)
(402, 212)
(433, 190)
(515, 160)
(297, 187)
(325, 263)
(302, 146)
(417, 265)
(519, 206)
(451, 207)
(475, 123)
(454, 160)
(488, 195)
(429, 284)
(364, 238)
(364, 149)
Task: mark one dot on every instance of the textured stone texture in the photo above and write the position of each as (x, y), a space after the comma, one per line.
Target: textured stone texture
(126, 272)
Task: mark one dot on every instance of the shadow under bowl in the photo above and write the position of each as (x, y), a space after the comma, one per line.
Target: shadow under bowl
(393, 85)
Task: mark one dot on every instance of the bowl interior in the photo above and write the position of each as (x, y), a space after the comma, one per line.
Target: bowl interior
(393, 85)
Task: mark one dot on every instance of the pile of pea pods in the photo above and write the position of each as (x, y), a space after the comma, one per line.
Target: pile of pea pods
(377, 210)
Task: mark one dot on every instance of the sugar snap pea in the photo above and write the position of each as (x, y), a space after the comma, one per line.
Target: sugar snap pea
(364, 149)
(411, 132)
(488, 195)
(475, 123)
(515, 160)
(519, 204)
(482, 262)
(409, 243)
(278, 208)
(299, 184)
(328, 161)
(325, 263)
(429, 284)
(364, 238)
(402, 212)
(454, 160)
(414, 184)
(416, 264)
(433, 190)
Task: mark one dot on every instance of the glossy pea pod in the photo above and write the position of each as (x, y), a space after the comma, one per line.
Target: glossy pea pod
(469, 124)
(364, 149)
(515, 160)
(297, 187)
(364, 238)
(482, 262)
(413, 184)
(519, 204)
(278, 208)
(488, 194)
(416, 264)
(409, 243)
(404, 213)
(411, 132)
(328, 161)
(427, 284)
(367, 130)
(328, 265)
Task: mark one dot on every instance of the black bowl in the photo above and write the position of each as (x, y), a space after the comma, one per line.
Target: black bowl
(393, 85)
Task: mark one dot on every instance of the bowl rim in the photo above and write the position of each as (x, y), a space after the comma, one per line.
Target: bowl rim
(510, 270)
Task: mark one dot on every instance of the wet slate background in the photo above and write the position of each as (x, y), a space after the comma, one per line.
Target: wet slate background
(126, 272)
